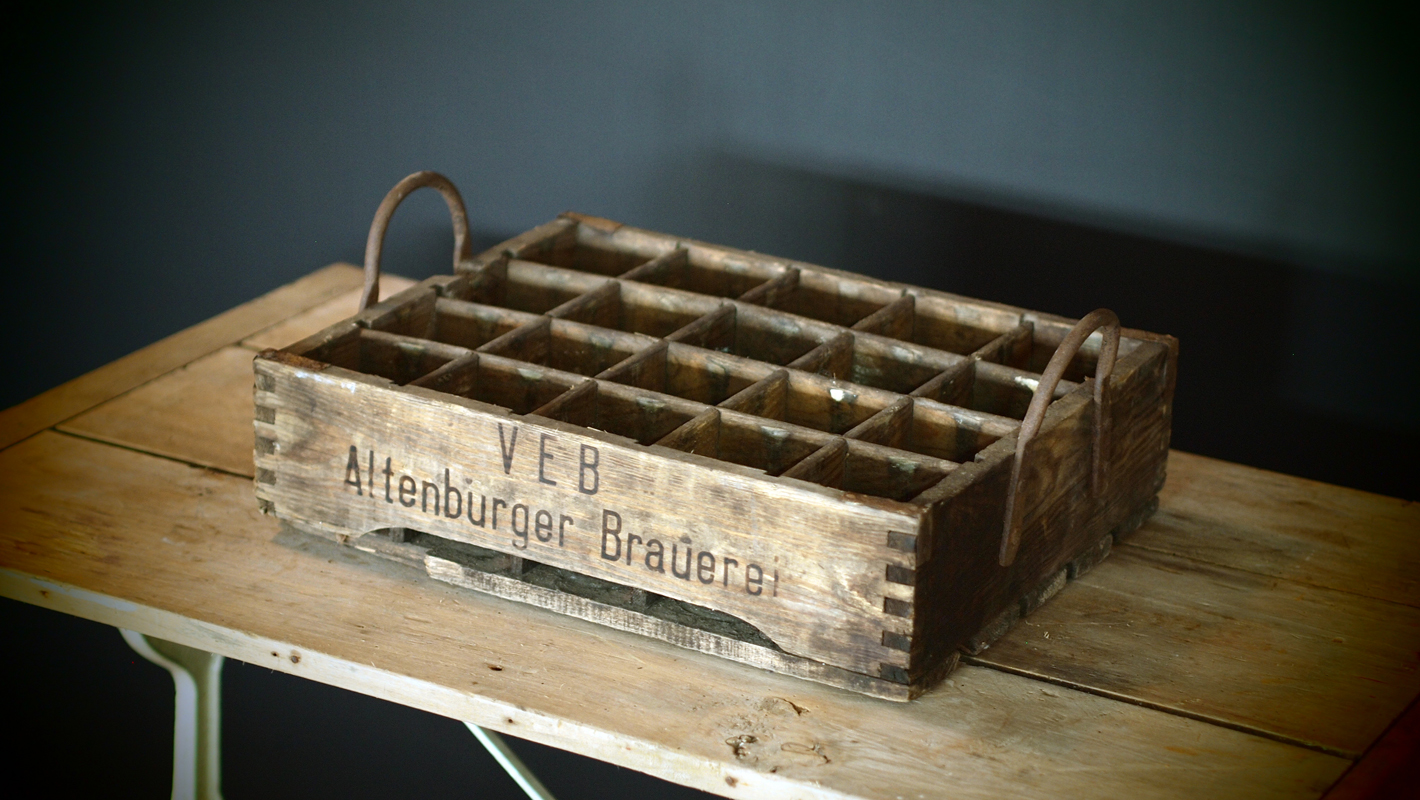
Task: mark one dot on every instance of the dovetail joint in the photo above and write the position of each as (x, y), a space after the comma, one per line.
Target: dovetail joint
(267, 476)
(897, 608)
(905, 542)
(892, 672)
(266, 414)
(897, 641)
(902, 575)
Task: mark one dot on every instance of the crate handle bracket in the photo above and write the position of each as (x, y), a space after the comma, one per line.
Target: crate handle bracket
(1098, 319)
(463, 247)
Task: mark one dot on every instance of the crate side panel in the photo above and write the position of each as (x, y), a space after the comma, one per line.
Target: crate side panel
(963, 587)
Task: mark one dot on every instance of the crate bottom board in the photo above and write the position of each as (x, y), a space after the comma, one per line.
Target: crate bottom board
(675, 622)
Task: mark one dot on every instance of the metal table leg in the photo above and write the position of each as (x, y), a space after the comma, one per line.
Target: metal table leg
(511, 763)
(197, 723)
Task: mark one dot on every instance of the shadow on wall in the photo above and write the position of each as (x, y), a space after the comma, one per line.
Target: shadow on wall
(1291, 369)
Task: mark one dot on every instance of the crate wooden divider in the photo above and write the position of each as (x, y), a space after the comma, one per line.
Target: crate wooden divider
(797, 468)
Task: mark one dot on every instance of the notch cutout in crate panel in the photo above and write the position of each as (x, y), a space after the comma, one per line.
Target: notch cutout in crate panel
(830, 299)
(704, 376)
(810, 401)
(746, 440)
(472, 325)
(679, 270)
(401, 359)
(752, 332)
(519, 387)
(526, 286)
(568, 346)
(634, 308)
(644, 417)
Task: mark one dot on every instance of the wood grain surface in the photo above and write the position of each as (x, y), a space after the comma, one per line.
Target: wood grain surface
(200, 402)
(1316, 666)
(1286, 527)
(1101, 619)
(181, 553)
(165, 355)
(796, 561)
(197, 404)
(822, 544)
(299, 326)
(1253, 603)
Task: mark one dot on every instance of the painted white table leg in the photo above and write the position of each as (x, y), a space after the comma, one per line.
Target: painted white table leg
(197, 725)
(511, 763)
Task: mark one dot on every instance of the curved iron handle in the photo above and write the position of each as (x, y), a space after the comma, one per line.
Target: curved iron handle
(1035, 415)
(463, 248)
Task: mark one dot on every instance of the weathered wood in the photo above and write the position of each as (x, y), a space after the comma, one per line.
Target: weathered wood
(894, 365)
(689, 372)
(613, 605)
(1276, 525)
(111, 380)
(583, 495)
(589, 344)
(1230, 509)
(188, 414)
(319, 317)
(620, 411)
(894, 320)
(471, 325)
(677, 270)
(934, 429)
(948, 324)
(153, 545)
(959, 591)
(830, 298)
(1326, 668)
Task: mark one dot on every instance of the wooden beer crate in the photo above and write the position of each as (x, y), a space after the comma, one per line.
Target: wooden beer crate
(805, 470)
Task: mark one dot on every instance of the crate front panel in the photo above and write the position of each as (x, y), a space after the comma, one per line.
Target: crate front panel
(807, 567)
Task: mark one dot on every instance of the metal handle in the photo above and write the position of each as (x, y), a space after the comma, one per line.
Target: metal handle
(1035, 415)
(463, 248)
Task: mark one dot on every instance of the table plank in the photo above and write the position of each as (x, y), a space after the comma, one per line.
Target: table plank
(292, 330)
(181, 553)
(1313, 665)
(1391, 768)
(200, 413)
(1286, 527)
(206, 413)
(137, 368)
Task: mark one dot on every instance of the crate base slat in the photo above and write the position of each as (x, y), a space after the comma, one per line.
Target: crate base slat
(474, 578)
(501, 575)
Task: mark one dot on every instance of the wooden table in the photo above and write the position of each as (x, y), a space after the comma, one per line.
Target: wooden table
(1256, 638)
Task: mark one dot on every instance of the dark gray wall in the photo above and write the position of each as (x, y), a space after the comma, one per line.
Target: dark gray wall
(1242, 175)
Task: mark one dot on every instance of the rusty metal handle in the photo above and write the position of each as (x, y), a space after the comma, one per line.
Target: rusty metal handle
(463, 248)
(1035, 415)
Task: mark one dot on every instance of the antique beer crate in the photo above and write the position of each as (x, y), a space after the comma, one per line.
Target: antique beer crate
(805, 470)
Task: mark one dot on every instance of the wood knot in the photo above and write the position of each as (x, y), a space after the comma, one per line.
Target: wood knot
(740, 744)
(813, 751)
